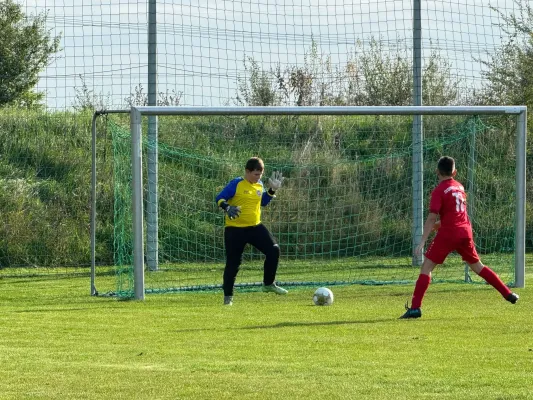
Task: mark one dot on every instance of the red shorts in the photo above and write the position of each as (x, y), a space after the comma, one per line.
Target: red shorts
(442, 245)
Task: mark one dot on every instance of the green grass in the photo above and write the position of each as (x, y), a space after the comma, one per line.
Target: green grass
(305, 272)
(57, 342)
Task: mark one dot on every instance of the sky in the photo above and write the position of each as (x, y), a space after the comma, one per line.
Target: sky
(202, 45)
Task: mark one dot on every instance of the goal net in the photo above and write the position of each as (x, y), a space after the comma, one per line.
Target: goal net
(345, 212)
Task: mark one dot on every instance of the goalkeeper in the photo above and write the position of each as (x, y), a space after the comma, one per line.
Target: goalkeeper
(241, 201)
(448, 200)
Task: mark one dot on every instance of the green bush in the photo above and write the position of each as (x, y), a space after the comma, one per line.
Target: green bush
(347, 165)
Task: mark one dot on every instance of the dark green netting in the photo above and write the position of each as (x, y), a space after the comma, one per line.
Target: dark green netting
(344, 214)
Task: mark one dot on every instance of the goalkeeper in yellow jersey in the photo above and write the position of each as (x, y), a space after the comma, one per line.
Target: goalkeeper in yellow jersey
(241, 200)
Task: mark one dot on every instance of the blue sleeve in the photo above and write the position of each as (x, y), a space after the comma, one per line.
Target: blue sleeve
(228, 192)
(266, 197)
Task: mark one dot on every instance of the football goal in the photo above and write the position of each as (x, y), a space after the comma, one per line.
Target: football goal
(352, 206)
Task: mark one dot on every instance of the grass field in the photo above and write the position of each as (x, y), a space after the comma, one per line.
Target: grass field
(57, 342)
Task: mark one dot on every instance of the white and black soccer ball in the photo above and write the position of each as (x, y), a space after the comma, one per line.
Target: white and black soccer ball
(323, 297)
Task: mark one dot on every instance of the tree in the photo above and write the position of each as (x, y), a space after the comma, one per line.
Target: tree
(372, 76)
(140, 98)
(508, 75)
(376, 76)
(26, 48)
(86, 99)
(257, 88)
(509, 80)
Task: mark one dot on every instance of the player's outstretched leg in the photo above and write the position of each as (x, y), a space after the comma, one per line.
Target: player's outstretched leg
(494, 280)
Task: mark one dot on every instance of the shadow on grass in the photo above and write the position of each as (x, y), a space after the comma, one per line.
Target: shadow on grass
(50, 310)
(66, 309)
(291, 324)
(327, 323)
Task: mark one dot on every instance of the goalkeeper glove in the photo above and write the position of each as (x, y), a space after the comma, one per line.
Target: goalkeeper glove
(275, 181)
(232, 211)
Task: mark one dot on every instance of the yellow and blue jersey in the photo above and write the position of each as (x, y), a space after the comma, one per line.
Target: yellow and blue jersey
(249, 196)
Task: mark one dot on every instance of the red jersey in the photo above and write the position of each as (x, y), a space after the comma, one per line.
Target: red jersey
(448, 200)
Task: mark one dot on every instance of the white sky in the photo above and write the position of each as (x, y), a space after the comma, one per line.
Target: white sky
(202, 44)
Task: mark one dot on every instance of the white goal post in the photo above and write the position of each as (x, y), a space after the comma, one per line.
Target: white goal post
(136, 114)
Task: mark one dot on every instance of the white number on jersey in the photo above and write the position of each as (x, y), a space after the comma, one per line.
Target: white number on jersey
(459, 201)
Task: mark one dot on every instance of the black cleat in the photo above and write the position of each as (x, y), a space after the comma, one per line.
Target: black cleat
(411, 312)
(512, 298)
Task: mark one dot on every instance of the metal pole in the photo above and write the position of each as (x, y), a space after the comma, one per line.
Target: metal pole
(94, 292)
(93, 206)
(333, 110)
(137, 188)
(470, 182)
(418, 169)
(152, 227)
(520, 235)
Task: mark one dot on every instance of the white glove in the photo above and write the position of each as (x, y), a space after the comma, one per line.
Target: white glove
(275, 181)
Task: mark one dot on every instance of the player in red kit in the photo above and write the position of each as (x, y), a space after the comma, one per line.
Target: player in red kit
(448, 201)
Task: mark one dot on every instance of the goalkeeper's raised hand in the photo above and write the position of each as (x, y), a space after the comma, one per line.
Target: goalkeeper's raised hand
(231, 211)
(276, 180)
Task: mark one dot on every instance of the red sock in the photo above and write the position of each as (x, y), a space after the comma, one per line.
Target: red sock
(495, 281)
(422, 284)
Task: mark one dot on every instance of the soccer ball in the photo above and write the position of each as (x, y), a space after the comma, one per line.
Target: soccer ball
(323, 297)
